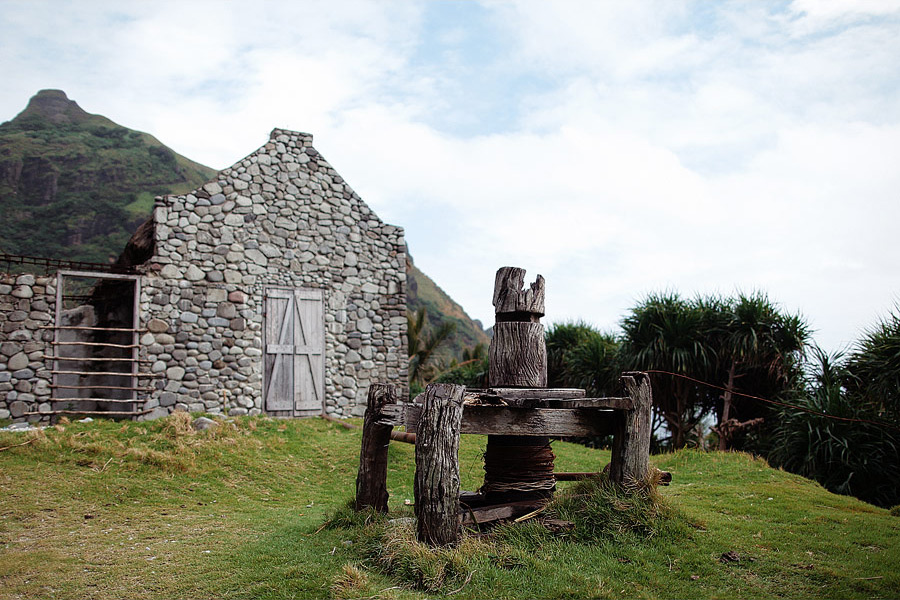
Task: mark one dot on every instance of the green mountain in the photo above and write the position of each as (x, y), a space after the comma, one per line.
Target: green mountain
(75, 186)
(423, 292)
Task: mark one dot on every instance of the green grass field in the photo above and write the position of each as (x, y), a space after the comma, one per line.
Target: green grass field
(256, 509)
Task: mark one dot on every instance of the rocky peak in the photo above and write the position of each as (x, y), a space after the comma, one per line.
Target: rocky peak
(54, 106)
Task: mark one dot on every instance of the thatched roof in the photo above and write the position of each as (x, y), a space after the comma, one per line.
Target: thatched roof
(140, 247)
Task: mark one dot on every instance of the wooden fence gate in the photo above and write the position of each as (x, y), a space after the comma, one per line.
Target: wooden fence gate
(294, 343)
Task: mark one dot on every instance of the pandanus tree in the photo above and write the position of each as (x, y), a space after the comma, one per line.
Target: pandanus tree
(741, 344)
(756, 345)
(873, 368)
(668, 334)
(836, 436)
(580, 356)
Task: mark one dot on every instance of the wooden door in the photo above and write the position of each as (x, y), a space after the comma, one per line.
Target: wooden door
(294, 352)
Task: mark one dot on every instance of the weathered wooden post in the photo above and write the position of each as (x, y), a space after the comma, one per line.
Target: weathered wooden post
(436, 486)
(631, 440)
(371, 481)
(517, 467)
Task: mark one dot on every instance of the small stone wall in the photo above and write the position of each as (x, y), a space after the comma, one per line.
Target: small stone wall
(27, 303)
(281, 217)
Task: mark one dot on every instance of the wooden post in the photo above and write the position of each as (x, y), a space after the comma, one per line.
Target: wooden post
(518, 353)
(436, 486)
(371, 481)
(517, 467)
(631, 441)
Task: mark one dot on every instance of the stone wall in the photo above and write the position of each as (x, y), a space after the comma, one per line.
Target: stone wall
(280, 217)
(27, 303)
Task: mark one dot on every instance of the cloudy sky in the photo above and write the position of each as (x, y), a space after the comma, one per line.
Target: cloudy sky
(618, 148)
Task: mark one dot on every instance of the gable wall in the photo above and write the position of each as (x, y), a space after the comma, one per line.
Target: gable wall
(280, 217)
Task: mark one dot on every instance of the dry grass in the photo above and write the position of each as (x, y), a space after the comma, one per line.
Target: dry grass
(350, 583)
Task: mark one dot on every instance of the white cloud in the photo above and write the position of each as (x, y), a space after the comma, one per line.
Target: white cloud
(618, 148)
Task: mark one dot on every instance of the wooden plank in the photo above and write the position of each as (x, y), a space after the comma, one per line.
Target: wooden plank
(610, 403)
(57, 318)
(487, 514)
(513, 420)
(279, 293)
(279, 348)
(109, 373)
(279, 375)
(111, 400)
(102, 387)
(95, 344)
(371, 480)
(531, 393)
(309, 349)
(117, 329)
(95, 275)
(436, 487)
(90, 358)
(556, 422)
(291, 349)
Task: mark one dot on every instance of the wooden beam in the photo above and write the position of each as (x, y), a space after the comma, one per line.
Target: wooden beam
(436, 486)
(514, 420)
(556, 422)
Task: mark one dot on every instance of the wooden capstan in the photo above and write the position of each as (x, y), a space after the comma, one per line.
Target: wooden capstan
(517, 413)
(517, 467)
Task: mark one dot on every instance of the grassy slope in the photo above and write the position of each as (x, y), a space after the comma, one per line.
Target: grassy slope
(110, 510)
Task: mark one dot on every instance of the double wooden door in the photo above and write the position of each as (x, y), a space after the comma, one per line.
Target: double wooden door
(294, 376)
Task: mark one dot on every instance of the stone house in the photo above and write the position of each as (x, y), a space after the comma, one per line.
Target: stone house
(273, 289)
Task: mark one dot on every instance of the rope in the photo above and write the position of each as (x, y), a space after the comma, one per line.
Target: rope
(777, 402)
(495, 487)
(518, 469)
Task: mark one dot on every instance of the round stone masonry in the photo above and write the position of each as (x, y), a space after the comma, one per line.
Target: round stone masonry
(281, 217)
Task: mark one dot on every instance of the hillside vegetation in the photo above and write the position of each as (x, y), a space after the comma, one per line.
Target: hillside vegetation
(423, 292)
(255, 508)
(75, 185)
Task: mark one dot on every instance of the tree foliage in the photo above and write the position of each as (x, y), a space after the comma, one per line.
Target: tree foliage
(669, 334)
(742, 344)
(848, 454)
(873, 368)
(580, 356)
